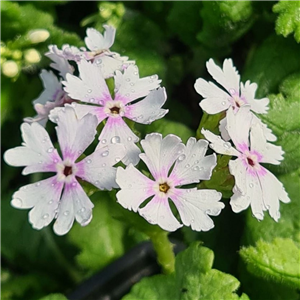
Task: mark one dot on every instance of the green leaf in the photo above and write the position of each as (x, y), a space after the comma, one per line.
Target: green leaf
(268, 67)
(101, 241)
(287, 129)
(55, 297)
(278, 260)
(166, 127)
(224, 22)
(288, 20)
(193, 279)
(288, 225)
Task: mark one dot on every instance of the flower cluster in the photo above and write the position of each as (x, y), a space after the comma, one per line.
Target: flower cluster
(169, 196)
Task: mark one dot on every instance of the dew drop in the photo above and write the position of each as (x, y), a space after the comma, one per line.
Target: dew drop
(231, 91)
(140, 117)
(82, 210)
(89, 161)
(192, 220)
(127, 95)
(66, 213)
(103, 141)
(131, 83)
(117, 159)
(105, 153)
(251, 185)
(129, 139)
(45, 216)
(80, 151)
(193, 155)
(50, 150)
(97, 182)
(52, 184)
(187, 166)
(50, 202)
(55, 160)
(38, 184)
(101, 102)
(134, 119)
(196, 168)
(181, 157)
(132, 91)
(227, 145)
(92, 100)
(40, 162)
(136, 73)
(127, 79)
(89, 91)
(73, 183)
(99, 61)
(224, 103)
(103, 165)
(115, 140)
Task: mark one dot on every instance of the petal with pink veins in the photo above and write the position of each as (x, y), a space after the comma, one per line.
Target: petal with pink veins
(195, 206)
(161, 153)
(74, 135)
(43, 197)
(135, 187)
(37, 153)
(158, 211)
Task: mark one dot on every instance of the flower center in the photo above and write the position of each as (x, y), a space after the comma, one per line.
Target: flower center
(250, 162)
(67, 171)
(115, 110)
(164, 187)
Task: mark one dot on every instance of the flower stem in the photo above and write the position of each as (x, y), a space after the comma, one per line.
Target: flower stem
(164, 250)
(73, 273)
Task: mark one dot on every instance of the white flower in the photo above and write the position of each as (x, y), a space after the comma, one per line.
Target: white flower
(254, 185)
(235, 95)
(61, 197)
(52, 96)
(92, 88)
(171, 164)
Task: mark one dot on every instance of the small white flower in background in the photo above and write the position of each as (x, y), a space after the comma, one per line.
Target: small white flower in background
(172, 164)
(91, 87)
(254, 185)
(61, 197)
(235, 95)
(99, 51)
(52, 96)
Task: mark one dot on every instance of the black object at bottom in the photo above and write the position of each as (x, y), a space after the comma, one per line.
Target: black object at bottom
(116, 280)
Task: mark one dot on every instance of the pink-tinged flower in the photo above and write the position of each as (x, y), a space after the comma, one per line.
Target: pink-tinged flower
(61, 197)
(254, 185)
(234, 94)
(52, 96)
(172, 164)
(91, 87)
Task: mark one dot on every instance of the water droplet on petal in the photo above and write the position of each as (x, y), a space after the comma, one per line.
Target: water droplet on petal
(50, 202)
(66, 213)
(103, 165)
(80, 151)
(127, 95)
(89, 161)
(224, 103)
(97, 182)
(181, 157)
(82, 210)
(132, 91)
(251, 185)
(131, 83)
(38, 184)
(196, 168)
(92, 100)
(103, 141)
(231, 91)
(227, 145)
(40, 162)
(136, 73)
(74, 183)
(140, 117)
(89, 91)
(117, 159)
(50, 150)
(129, 139)
(105, 153)
(187, 166)
(45, 216)
(99, 61)
(127, 79)
(115, 140)
(192, 220)
(134, 119)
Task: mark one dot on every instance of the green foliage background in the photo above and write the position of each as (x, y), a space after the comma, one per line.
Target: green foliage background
(173, 40)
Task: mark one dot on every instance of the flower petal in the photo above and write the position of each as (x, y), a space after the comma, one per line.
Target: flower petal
(135, 187)
(158, 211)
(90, 87)
(74, 135)
(270, 153)
(129, 86)
(194, 206)
(238, 170)
(273, 191)
(229, 78)
(149, 109)
(192, 166)
(259, 106)
(117, 131)
(223, 129)
(266, 131)
(37, 152)
(96, 41)
(216, 100)
(160, 154)
(238, 126)
(98, 169)
(43, 196)
(219, 145)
